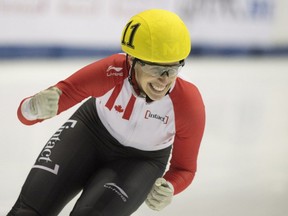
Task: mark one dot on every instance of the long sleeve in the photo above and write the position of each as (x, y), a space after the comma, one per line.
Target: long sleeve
(190, 123)
(92, 80)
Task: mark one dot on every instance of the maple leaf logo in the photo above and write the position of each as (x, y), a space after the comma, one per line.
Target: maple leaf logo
(118, 108)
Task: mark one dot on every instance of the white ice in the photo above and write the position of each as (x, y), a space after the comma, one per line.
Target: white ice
(243, 160)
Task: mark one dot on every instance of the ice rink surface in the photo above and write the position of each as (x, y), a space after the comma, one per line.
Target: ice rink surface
(243, 160)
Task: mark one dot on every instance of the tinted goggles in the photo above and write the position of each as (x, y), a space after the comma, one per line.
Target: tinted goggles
(158, 70)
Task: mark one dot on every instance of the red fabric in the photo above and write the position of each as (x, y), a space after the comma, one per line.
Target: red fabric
(129, 108)
(190, 123)
(110, 103)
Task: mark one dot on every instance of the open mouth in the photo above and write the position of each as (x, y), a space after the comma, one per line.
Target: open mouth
(157, 88)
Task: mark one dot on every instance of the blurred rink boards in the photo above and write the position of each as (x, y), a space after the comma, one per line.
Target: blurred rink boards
(242, 167)
(239, 61)
(49, 28)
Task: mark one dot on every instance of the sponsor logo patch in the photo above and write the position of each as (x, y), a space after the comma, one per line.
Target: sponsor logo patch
(44, 160)
(149, 115)
(119, 191)
(114, 71)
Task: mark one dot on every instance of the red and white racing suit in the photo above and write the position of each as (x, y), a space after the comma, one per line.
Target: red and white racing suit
(176, 120)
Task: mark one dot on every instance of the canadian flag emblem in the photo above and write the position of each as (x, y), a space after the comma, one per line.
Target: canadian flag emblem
(118, 108)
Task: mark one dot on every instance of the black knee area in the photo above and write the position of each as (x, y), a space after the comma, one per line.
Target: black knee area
(22, 209)
(85, 211)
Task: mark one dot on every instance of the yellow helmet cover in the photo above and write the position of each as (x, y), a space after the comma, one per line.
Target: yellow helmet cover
(156, 35)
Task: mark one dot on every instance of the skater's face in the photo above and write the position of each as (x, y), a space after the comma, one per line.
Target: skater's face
(156, 79)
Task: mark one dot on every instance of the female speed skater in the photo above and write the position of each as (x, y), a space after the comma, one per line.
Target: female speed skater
(134, 139)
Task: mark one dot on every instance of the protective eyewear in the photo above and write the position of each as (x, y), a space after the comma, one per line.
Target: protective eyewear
(156, 70)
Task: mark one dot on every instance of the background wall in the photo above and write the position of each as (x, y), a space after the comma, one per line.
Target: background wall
(90, 27)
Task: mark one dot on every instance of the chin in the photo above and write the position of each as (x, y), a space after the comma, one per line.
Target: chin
(156, 97)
